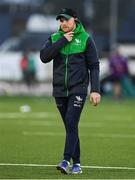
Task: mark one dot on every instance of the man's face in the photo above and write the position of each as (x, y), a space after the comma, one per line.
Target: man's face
(67, 25)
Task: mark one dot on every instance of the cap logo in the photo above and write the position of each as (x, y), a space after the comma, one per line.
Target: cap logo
(64, 10)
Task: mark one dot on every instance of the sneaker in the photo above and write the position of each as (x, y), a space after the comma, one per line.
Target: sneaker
(76, 169)
(63, 167)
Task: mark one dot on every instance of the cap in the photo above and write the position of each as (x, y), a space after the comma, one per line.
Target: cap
(66, 13)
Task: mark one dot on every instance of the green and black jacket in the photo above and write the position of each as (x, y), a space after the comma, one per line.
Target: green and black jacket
(72, 62)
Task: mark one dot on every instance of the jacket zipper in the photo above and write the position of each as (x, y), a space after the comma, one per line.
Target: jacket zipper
(66, 76)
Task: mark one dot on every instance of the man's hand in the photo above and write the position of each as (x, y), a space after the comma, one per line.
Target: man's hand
(69, 35)
(95, 98)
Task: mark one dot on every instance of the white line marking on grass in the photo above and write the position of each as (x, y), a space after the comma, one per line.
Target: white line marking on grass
(45, 121)
(118, 118)
(85, 167)
(98, 135)
(27, 115)
(107, 135)
(41, 134)
(109, 167)
(27, 165)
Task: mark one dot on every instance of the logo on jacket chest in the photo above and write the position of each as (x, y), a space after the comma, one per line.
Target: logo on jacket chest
(77, 42)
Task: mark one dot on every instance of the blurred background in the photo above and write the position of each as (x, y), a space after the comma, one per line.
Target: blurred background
(31, 131)
(25, 26)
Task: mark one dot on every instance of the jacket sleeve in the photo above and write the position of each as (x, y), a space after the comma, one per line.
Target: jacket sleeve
(50, 50)
(93, 65)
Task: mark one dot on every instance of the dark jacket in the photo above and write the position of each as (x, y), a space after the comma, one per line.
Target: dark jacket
(72, 62)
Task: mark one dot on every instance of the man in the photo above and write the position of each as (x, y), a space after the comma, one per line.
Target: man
(74, 54)
(119, 76)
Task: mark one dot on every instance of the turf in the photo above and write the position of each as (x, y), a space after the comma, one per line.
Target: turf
(37, 137)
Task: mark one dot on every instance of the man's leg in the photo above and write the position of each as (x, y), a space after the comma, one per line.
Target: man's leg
(72, 145)
(62, 103)
(76, 155)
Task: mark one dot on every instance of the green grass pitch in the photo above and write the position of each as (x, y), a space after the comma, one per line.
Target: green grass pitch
(31, 141)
